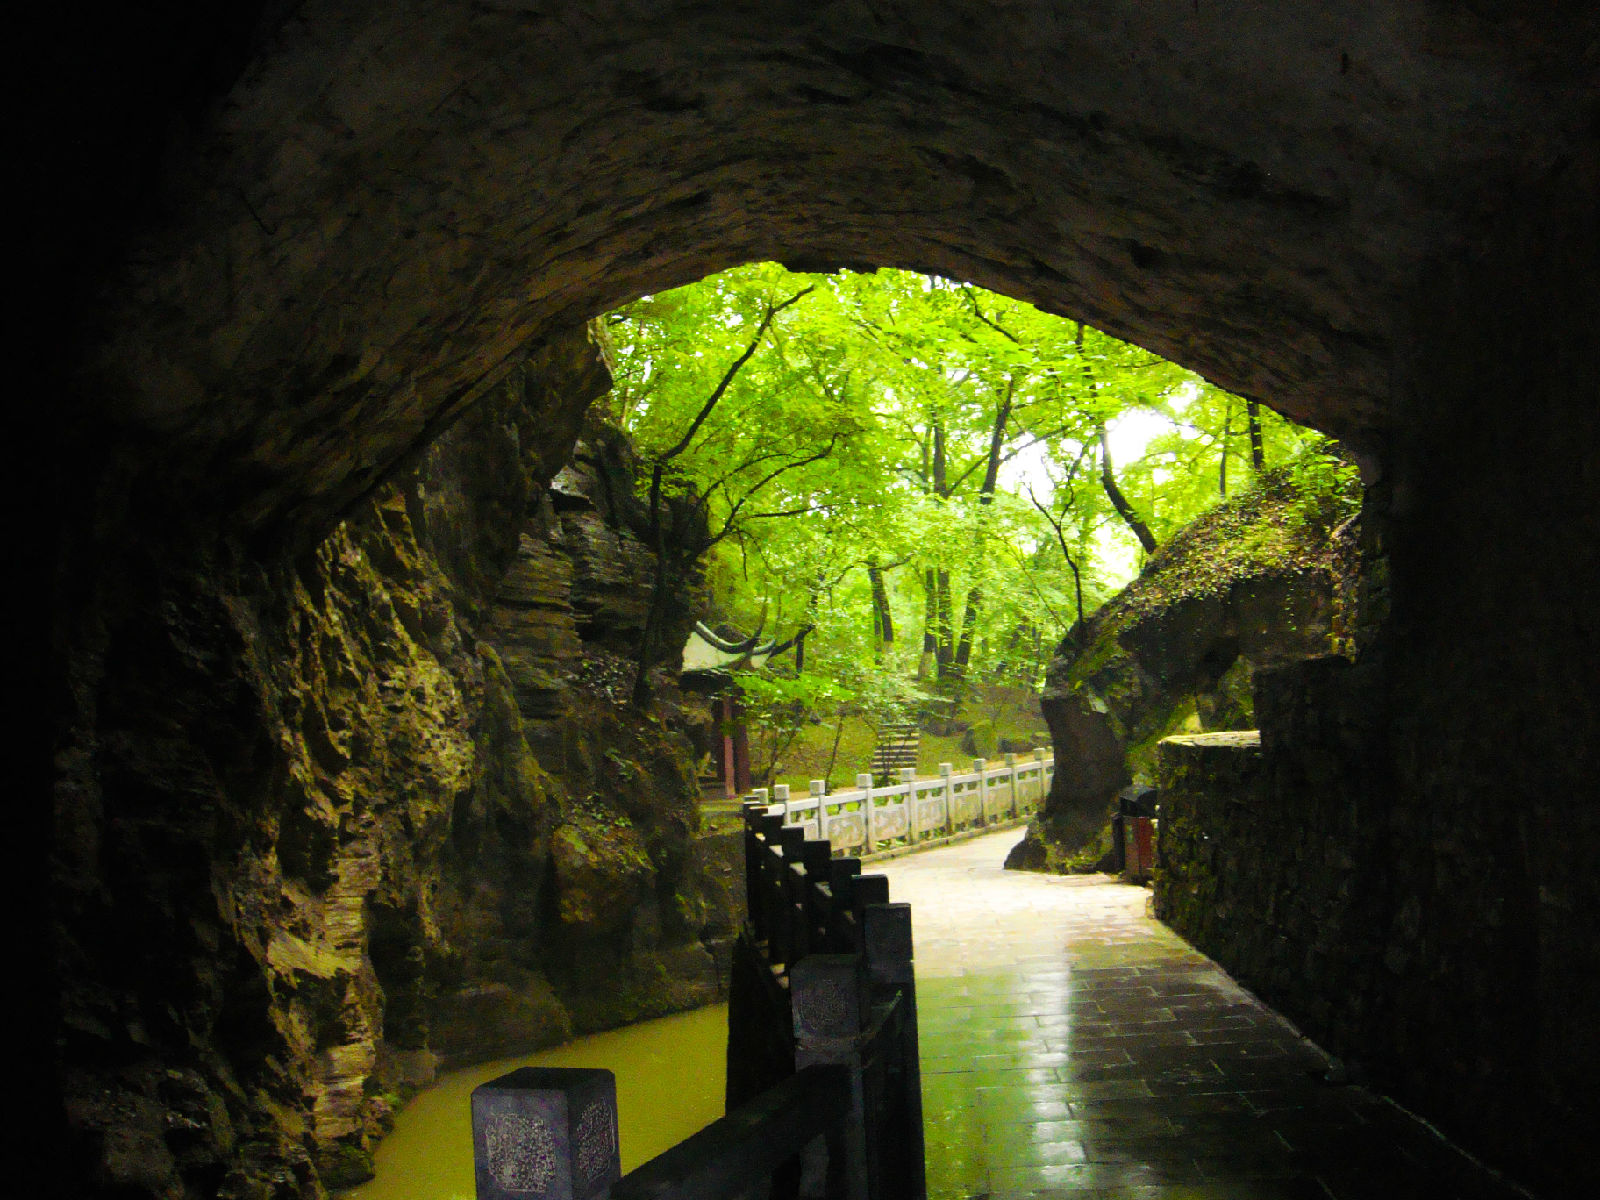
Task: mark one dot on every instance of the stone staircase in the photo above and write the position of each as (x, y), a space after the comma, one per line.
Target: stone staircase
(896, 749)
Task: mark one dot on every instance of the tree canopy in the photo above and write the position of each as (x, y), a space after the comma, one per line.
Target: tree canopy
(922, 479)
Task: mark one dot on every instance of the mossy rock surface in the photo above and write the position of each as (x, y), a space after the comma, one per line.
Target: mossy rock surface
(1248, 586)
(602, 871)
(1062, 848)
(344, 1165)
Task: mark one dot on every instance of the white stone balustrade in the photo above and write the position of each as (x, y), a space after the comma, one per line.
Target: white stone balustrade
(868, 817)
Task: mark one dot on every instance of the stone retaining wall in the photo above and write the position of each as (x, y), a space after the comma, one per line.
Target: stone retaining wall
(1293, 858)
(1269, 881)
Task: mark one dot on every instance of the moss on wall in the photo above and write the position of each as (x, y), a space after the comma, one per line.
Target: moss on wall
(348, 838)
(1248, 585)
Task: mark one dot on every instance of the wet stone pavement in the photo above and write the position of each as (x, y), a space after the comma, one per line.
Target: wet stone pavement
(1073, 1046)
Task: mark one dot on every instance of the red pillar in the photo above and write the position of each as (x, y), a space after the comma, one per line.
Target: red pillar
(741, 747)
(728, 768)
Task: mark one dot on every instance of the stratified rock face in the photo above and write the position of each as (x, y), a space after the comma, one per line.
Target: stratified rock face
(324, 825)
(571, 610)
(1249, 585)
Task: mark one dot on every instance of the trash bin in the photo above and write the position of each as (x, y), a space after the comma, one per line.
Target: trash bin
(1137, 816)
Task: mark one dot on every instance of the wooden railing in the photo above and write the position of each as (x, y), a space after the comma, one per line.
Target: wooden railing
(869, 818)
(752, 1143)
(823, 974)
(824, 1092)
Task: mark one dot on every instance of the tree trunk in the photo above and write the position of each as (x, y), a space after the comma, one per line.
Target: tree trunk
(936, 581)
(838, 733)
(969, 625)
(1258, 451)
(945, 628)
(882, 618)
(1077, 591)
(658, 596)
(1227, 432)
(991, 478)
(1108, 481)
(807, 624)
(1076, 632)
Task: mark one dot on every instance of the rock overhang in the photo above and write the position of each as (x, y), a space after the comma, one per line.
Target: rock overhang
(392, 204)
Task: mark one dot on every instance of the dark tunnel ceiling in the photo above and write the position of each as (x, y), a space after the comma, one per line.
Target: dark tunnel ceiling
(394, 202)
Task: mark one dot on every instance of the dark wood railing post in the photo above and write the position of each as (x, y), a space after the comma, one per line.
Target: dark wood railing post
(752, 868)
(816, 858)
(791, 890)
(870, 889)
(772, 890)
(842, 876)
(828, 996)
(898, 1169)
(829, 985)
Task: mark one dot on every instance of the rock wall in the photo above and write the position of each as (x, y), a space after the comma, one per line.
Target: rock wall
(330, 821)
(1252, 584)
(1489, 720)
(1266, 865)
(1277, 846)
(1406, 868)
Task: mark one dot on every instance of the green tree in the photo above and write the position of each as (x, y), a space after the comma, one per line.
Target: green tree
(878, 452)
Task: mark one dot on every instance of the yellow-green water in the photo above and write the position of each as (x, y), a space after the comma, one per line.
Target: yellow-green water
(669, 1085)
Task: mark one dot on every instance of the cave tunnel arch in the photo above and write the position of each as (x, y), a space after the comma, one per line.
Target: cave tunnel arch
(384, 208)
(391, 204)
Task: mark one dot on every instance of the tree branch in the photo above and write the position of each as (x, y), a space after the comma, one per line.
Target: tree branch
(955, 487)
(727, 378)
(972, 297)
(733, 512)
(1035, 440)
(792, 512)
(1125, 510)
(1061, 539)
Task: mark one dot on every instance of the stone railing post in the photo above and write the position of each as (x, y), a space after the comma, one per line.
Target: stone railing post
(780, 795)
(945, 772)
(908, 776)
(1011, 781)
(546, 1131)
(819, 792)
(869, 829)
(980, 765)
(1038, 799)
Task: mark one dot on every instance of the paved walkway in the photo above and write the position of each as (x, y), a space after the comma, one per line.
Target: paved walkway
(1072, 1045)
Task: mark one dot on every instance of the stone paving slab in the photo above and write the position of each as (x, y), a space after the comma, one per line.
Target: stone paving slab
(1074, 1047)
